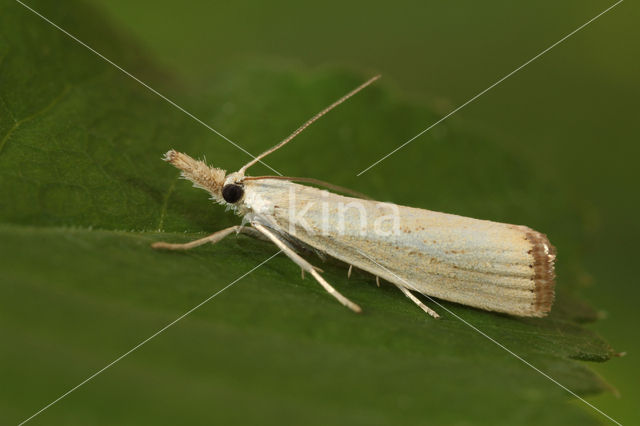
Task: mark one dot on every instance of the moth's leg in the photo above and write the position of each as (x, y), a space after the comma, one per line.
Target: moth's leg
(306, 266)
(301, 270)
(213, 238)
(378, 281)
(253, 232)
(349, 271)
(418, 302)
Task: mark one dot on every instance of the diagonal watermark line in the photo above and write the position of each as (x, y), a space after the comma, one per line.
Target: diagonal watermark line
(492, 86)
(146, 340)
(492, 340)
(145, 84)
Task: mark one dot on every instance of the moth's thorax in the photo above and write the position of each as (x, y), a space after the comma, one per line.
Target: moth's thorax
(256, 201)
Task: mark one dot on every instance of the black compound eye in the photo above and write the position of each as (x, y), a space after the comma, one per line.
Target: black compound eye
(232, 193)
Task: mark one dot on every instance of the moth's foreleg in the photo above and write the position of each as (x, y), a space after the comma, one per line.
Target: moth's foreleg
(213, 238)
(418, 302)
(306, 266)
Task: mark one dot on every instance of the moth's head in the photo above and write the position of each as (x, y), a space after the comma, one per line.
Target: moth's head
(233, 188)
(223, 188)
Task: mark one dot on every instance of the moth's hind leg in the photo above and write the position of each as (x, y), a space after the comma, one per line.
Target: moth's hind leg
(417, 301)
(213, 238)
(307, 267)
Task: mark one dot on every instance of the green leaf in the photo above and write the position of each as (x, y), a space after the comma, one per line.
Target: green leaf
(83, 193)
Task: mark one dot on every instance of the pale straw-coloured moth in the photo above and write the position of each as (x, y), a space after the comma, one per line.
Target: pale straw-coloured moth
(487, 265)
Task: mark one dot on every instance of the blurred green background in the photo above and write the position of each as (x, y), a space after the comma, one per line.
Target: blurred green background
(573, 113)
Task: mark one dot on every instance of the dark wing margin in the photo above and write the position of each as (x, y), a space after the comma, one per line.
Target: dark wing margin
(544, 257)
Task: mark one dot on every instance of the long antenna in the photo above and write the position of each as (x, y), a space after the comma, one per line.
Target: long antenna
(308, 123)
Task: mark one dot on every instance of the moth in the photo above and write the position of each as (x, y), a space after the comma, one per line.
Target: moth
(488, 265)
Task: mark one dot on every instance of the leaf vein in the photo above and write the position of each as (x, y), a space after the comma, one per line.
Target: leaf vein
(20, 122)
(165, 202)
